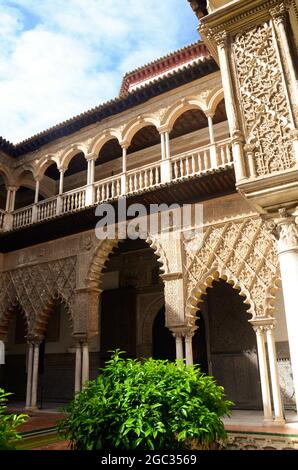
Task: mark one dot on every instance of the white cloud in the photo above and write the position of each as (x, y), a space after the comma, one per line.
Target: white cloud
(60, 58)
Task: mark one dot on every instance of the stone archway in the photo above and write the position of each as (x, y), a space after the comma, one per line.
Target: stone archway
(232, 347)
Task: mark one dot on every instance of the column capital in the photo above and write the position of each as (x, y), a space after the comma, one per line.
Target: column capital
(124, 144)
(91, 156)
(280, 11)
(34, 339)
(237, 137)
(221, 38)
(12, 188)
(285, 231)
(209, 114)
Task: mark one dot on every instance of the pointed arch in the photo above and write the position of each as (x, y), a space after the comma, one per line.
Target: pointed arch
(9, 309)
(44, 164)
(199, 290)
(106, 248)
(41, 321)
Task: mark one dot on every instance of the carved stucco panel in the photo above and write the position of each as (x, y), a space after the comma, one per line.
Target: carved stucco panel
(263, 97)
(241, 252)
(33, 286)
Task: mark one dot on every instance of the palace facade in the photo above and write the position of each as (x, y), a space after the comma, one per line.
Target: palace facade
(213, 123)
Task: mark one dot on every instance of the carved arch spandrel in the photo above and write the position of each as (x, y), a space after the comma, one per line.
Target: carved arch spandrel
(33, 285)
(241, 252)
(105, 249)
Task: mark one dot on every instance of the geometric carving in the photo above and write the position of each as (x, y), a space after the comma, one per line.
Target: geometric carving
(264, 102)
(34, 287)
(244, 254)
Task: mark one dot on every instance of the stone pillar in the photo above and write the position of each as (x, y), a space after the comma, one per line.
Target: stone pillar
(36, 191)
(188, 348)
(78, 368)
(35, 375)
(277, 402)
(8, 193)
(61, 181)
(265, 386)
(124, 169)
(210, 127)
(280, 17)
(167, 144)
(85, 363)
(89, 193)
(162, 145)
(179, 345)
(230, 101)
(29, 375)
(286, 232)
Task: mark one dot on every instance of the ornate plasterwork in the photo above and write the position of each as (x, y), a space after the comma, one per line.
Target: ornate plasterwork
(263, 97)
(285, 231)
(241, 252)
(34, 287)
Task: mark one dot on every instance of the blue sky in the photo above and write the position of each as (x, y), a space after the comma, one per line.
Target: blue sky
(61, 57)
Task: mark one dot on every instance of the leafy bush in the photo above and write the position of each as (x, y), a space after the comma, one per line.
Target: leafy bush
(8, 424)
(149, 404)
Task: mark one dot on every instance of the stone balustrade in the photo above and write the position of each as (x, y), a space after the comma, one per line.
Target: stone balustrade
(185, 165)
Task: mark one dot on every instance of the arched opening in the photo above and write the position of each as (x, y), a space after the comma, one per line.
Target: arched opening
(231, 350)
(2, 193)
(56, 359)
(76, 174)
(192, 123)
(163, 344)
(109, 160)
(220, 122)
(13, 373)
(130, 284)
(147, 138)
(25, 194)
(51, 178)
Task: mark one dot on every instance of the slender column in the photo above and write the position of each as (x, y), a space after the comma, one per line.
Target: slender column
(36, 191)
(85, 367)
(92, 171)
(78, 368)
(35, 375)
(167, 144)
(13, 199)
(124, 163)
(279, 14)
(61, 181)
(286, 233)
(88, 172)
(29, 375)
(162, 144)
(221, 39)
(8, 196)
(179, 346)
(188, 348)
(265, 387)
(277, 402)
(211, 129)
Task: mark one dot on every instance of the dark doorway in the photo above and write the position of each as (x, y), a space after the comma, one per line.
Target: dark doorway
(232, 351)
(199, 345)
(163, 342)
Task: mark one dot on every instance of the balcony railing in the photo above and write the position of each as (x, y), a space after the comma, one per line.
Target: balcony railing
(185, 165)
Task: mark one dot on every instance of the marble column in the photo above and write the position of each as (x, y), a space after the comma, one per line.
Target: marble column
(263, 368)
(29, 375)
(230, 102)
(78, 368)
(85, 363)
(188, 348)
(179, 346)
(286, 233)
(276, 395)
(35, 375)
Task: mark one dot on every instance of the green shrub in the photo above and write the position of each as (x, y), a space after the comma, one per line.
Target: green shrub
(8, 424)
(149, 404)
